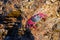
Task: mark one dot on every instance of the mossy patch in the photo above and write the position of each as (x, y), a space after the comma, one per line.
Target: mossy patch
(14, 14)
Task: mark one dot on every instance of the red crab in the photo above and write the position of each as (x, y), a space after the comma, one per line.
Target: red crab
(34, 19)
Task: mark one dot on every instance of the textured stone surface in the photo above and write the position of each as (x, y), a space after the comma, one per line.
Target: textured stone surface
(48, 29)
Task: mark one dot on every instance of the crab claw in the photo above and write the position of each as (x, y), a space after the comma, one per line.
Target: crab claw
(42, 15)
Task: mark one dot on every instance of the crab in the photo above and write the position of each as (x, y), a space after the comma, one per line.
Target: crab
(34, 19)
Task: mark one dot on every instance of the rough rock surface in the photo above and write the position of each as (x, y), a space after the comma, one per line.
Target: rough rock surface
(46, 30)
